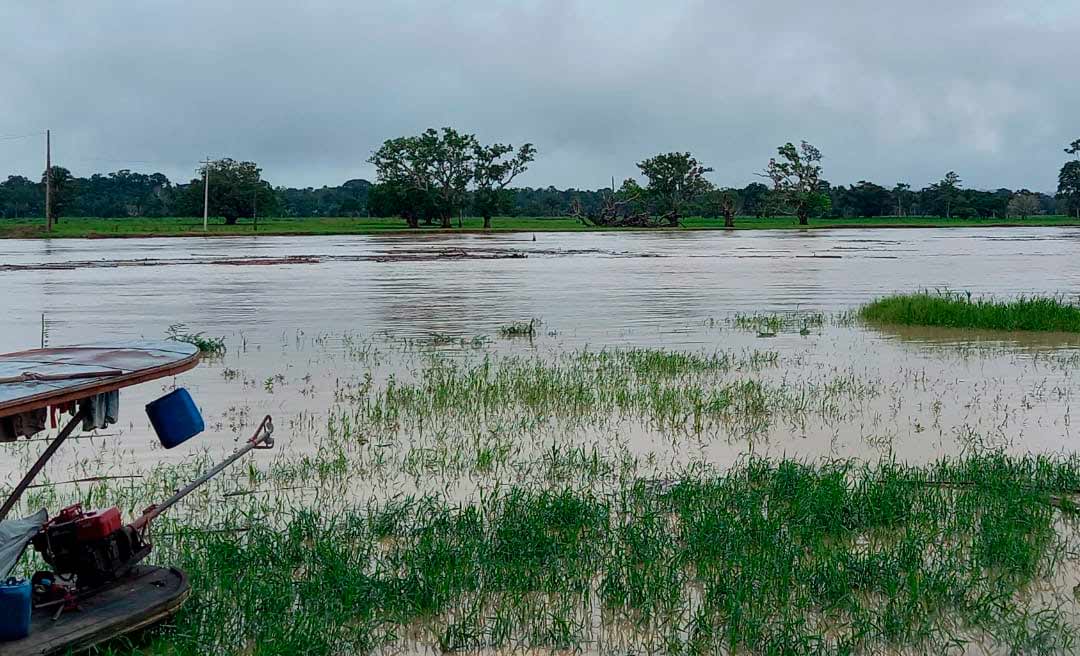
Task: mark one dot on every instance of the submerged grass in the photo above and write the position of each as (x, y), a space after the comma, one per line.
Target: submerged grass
(768, 558)
(953, 310)
(520, 329)
(527, 539)
(209, 346)
(676, 392)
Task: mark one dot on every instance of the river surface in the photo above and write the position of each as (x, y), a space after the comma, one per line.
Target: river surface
(287, 325)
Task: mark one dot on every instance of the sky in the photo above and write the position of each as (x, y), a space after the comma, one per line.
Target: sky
(901, 91)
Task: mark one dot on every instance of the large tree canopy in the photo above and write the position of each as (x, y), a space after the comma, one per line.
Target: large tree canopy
(431, 166)
(64, 187)
(436, 172)
(796, 178)
(237, 190)
(945, 193)
(1069, 187)
(674, 179)
(493, 170)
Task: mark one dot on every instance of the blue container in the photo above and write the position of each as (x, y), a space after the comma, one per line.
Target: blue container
(175, 418)
(14, 609)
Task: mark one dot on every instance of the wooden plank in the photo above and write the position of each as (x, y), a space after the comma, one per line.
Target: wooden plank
(138, 362)
(148, 596)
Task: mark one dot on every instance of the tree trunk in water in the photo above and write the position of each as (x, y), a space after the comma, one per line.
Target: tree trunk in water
(487, 222)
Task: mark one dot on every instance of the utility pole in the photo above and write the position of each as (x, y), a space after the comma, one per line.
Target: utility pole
(254, 207)
(48, 181)
(206, 193)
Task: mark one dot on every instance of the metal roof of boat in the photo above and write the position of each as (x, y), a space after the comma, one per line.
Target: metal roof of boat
(53, 376)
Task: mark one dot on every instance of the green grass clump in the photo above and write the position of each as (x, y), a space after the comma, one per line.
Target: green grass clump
(520, 329)
(210, 346)
(952, 310)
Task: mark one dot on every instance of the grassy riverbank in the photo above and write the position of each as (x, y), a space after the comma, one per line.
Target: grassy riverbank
(187, 226)
(951, 310)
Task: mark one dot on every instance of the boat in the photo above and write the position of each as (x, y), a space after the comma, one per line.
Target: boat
(98, 588)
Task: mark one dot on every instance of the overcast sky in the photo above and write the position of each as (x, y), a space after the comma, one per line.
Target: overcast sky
(888, 91)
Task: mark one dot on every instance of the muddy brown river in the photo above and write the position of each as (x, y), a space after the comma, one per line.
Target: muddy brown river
(293, 309)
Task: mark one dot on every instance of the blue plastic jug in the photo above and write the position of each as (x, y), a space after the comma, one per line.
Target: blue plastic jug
(14, 609)
(175, 418)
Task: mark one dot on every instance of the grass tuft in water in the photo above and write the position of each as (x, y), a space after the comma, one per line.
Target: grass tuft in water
(520, 329)
(955, 310)
(211, 346)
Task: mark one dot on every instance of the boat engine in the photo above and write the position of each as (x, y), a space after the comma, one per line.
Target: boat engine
(97, 547)
(94, 546)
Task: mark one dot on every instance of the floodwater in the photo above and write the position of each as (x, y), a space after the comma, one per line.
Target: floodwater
(287, 324)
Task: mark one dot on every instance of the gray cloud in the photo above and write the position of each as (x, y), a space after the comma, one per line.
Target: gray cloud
(897, 91)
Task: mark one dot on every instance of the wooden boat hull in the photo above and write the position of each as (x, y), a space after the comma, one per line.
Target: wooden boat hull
(145, 597)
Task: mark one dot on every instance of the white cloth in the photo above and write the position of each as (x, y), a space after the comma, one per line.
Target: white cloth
(15, 534)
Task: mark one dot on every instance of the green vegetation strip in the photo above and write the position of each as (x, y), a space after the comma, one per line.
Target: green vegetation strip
(675, 392)
(192, 227)
(769, 558)
(1038, 313)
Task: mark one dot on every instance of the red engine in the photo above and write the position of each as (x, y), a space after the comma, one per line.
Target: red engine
(93, 525)
(94, 546)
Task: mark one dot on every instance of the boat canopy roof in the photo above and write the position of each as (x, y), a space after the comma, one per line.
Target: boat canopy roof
(53, 376)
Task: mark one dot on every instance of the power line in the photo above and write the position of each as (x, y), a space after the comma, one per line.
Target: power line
(121, 160)
(11, 137)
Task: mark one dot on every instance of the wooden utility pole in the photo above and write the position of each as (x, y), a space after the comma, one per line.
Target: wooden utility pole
(206, 193)
(48, 181)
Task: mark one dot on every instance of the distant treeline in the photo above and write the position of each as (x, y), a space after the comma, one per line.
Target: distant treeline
(126, 193)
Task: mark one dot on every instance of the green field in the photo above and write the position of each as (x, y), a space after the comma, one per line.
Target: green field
(187, 226)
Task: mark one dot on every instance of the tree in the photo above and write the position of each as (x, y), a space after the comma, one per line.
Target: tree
(675, 179)
(755, 199)
(1068, 191)
(869, 199)
(901, 192)
(237, 190)
(492, 173)
(947, 192)
(1023, 204)
(20, 196)
(123, 193)
(796, 179)
(397, 199)
(433, 163)
(62, 192)
(1074, 148)
(404, 178)
(723, 202)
